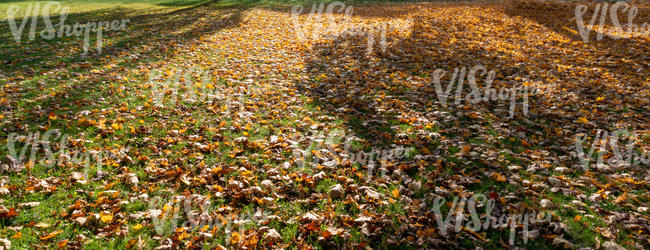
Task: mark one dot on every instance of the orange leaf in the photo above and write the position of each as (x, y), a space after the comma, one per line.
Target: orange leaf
(9, 214)
(62, 243)
(621, 198)
(577, 218)
(395, 193)
(498, 177)
(17, 235)
(51, 235)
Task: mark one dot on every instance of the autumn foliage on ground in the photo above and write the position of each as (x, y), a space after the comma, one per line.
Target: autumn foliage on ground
(256, 158)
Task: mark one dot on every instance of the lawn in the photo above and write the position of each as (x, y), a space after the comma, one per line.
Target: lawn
(257, 124)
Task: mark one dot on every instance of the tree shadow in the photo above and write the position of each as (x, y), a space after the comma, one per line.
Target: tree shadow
(381, 94)
(623, 59)
(359, 100)
(141, 29)
(147, 38)
(387, 96)
(560, 17)
(184, 3)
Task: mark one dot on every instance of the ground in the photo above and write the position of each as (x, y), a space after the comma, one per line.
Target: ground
(259, 144)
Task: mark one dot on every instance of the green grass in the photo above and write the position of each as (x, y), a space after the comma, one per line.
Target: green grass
(74, 92)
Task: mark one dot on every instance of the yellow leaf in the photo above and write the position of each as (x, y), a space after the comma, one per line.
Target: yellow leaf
(600, 98)
(235, 238)
(247, 173)
(17, 235)
(137, 227)
(106, 217)
(42, 225)
(395, 193)
(115, 126)
(583, 120)
(183, 236)
(102, 124)
(29, 165)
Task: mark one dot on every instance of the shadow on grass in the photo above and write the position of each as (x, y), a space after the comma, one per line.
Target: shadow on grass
(389, 90)
(147, 38)
(561, 19)
(182, 3)
(381, 94)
